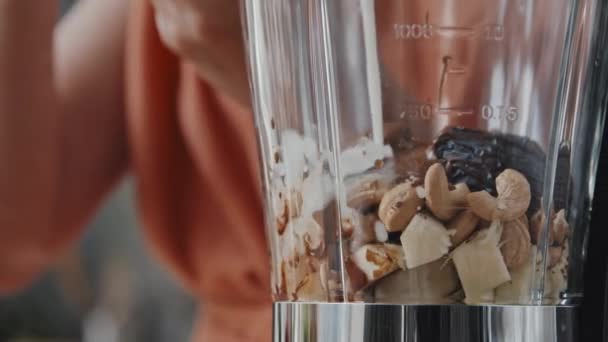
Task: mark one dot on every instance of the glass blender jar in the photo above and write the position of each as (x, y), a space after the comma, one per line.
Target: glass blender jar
(428, 165)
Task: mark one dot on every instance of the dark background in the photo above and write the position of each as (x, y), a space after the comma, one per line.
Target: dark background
(595, 305)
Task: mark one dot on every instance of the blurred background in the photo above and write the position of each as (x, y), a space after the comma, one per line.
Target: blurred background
(108, 288)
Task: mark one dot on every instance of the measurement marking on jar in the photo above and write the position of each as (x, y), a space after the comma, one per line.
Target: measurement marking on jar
(457, 70)
(413, 31)
(455, 111)
(421, 111)
(502, 113)
(456, 30)
(416, 31)
(425, 111)
(494, 32)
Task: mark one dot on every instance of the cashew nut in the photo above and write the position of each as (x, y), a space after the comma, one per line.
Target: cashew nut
(443, 202)
(302, 237)
(561, 228)
(537, 225)
(372, 262)
(516, 244)
(301, 280)
(398, 206)
(368, 191)
(513, 200)
(462, 227)
(286, 205)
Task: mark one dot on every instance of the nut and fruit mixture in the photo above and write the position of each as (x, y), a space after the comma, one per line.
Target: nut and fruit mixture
(455, 221)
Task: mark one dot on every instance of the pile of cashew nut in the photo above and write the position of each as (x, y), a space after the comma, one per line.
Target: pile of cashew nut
(454, 244)
(415, 240)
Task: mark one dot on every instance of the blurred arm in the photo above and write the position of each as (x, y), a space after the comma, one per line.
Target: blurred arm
(62, 129)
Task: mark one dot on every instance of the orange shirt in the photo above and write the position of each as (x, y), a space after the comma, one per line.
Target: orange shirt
(194, 157)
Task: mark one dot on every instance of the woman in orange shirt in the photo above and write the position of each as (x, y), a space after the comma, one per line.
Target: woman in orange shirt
(157, 88)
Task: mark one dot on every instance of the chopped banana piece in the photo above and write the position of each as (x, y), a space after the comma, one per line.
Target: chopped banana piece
(429, 284)
(519, 289)
(480, 264)
(487, 297)
(424, 240)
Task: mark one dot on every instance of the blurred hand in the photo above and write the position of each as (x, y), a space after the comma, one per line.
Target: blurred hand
(208, 34)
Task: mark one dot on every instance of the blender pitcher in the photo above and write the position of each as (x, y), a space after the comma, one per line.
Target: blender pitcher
(428, 165)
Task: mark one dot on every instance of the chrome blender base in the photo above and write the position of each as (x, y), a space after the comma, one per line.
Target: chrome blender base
(316, 322)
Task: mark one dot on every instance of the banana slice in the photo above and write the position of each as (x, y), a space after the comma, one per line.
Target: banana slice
(366, 191)
(428, 284)
(480, 265)
(519, 289)
(424, 240)
(487, 297)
